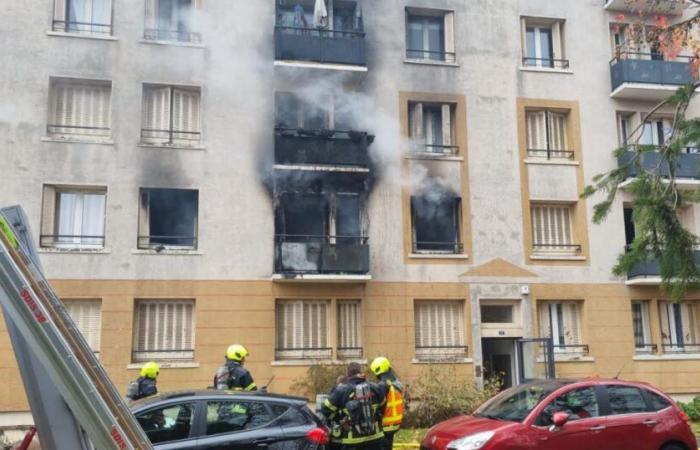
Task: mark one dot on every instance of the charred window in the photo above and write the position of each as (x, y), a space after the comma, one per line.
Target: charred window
(293, 112)
(436, 221)
(168, 219)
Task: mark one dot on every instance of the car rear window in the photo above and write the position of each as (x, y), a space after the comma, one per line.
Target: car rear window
(290, 417)
(625, 400)
(657, 402)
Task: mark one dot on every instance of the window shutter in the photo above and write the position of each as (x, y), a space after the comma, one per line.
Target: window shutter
(59, 15)
(536, 130)
(449, 35)
(688, 319)
(156, 114)
(349, 324)
(164, 329)
(557, 131)
(48, 213)
(417, 121)
(545, 323)
(523, 39)
(144, 240)
(151, 17)
(439, 328)
(557, 41)
(86, 314)
(551, 226)
(447, 125)
(572, 332)
(185, 112)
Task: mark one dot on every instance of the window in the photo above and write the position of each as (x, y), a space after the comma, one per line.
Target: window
(169, 423)
(171, 20)
(83, 16)
(431, 127)
(436, 222)
(625, 400)
(349, 329)
(439, 330)
(430, 35)
(79, 108)
(547, 135)
(293, 112)
(679, 327)
(642, 331)
(73, 217)
(164, 330)
(232, 416)
(579, 404)
(171, 115)
(86, 315)
(302, 329)
(630, 232)
(168, 219)
(562, 322)
(496, 313)
(553, 230)
(656, 402)
(298, 18)
(543, 43)
(655, 132)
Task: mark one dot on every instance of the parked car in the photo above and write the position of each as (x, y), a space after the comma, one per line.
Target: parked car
(590, 414)
(209, 419)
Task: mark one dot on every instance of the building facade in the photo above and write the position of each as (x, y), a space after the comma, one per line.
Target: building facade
(325, 182)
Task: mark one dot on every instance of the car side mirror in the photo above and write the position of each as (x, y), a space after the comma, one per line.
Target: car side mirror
(559, 419)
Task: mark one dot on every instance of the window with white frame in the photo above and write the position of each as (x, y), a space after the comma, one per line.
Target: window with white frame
(168, 219)
(431, 127)
(73, 217)
(642, 331)
(302, 329)
(553, 229)
(430, 35)
(679, 327)
(83, 16)
(164, 330)
(349, 322)
(562, 322)
(171, 20)
(87, 316)
(171, 115)
(547, 135)
(439, 329)
(79, 108)
(543, 43)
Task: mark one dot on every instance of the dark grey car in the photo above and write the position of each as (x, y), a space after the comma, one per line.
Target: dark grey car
(208, 420)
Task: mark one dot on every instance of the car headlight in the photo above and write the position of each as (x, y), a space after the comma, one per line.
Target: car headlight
(473, 442)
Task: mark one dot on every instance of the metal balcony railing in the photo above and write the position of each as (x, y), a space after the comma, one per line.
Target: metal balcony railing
(185, 354)
(434, 149)
(167, 242)
(321, 254)
(320, 45)
(327, 147)
(149, 135)
(680, 348)
(56, 129)
(651, 268)
(649, 68)
(646, 349)
(650, 161)
(433, 247)
(549, 63)
(441, 353)
(431, 55)
(350, 352)
(570, 349)
(68, 26)
(154, 34)
(550, 154)
(303, 353)
(71, 241)
(557, 249)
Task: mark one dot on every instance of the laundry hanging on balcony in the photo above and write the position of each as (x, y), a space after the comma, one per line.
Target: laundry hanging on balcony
(320, 14)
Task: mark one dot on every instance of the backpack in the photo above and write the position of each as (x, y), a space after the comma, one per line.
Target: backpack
(133, 390)
(361, 413)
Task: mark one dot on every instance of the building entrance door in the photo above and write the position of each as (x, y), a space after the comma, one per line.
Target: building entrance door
(500, 361)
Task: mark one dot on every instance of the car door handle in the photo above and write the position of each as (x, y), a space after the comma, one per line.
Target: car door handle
(650, 422)
(263, 442)
(598, 428)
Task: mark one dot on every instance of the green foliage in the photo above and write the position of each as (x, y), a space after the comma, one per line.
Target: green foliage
(692, 408)
(319, 379)
(441, 394)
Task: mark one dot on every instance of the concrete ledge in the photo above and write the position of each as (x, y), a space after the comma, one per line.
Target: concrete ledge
(171, 43)
(98, 37)
(318, 65)
(170, 147)
(443, 361)
(167, 365)
(557, 258)
(551, 162)
(167, 251)
(75, 251)
(432, 157)
(569, 359)
(314, 362)
(546, 70)
(70, 140)
(437, 256)
(668, 357)
(280, 278)
(429, 62)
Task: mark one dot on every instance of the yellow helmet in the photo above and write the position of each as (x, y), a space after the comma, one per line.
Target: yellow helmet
(150, 370)
(236, 352)
(380, 365)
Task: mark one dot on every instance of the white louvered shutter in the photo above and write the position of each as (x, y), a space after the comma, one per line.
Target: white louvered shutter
(688, 319)
(87, 316)
(557, 132)
(439, 329)
(81, 109)
(665, 316)
(536, 131)
(572, 331)
(552, 229)
(165, 330)
(151, 19)
(349, 329)
(302, 329)
(416, 124)
(156, 114)
(544, 318)
(446, 125)
(186, 114)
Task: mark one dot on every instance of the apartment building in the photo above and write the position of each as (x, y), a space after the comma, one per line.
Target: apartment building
(326, 182)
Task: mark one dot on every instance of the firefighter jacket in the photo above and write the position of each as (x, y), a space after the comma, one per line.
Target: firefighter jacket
(233, 376)
(335, 408)
(393, 391)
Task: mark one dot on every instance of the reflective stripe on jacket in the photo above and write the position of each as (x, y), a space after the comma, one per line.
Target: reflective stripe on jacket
(393, 412)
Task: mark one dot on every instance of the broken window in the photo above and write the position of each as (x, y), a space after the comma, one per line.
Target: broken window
(79, 108)
(431, 127)
(436, 224)
(171, 115)
(293, 112)
(83, 16)
(168, 219)
(73, 217)
(170, 20)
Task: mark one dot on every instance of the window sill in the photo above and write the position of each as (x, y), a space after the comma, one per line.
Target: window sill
(433, 156)
(557, 258)
(667, 357)
(171, 147)
(167, 251)
(546, 70)
(98, 37)
(172, 43)
(314, 362)
(443, 361)
(80, 251)
(569, 358)
(77, 140)
(167, 365)
(426, 62)
(551, 162)
(437, 256)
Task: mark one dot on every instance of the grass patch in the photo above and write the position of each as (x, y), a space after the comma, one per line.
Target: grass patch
(696, 428)
(410, 435)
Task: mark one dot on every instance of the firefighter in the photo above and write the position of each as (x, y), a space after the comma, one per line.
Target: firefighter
(232, 375)
(145, 385)
(354, 409)
(393, 390)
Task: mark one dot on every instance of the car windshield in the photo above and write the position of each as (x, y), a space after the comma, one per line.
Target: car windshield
(516, 403)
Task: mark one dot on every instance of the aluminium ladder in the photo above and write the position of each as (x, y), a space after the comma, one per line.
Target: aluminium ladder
(73, 401)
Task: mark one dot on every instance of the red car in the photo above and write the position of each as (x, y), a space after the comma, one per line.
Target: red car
(590, 414)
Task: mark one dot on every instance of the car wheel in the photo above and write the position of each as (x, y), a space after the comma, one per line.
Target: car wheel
(673, 447)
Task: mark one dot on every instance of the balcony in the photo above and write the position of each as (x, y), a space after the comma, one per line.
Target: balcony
(323, 258)
(668, 7)
(649, 272)
(316, 45)
(645, 76)
(687, 174)
(322, 147)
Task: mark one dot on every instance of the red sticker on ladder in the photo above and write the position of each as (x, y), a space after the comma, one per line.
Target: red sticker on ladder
(118, 438)
(27, 297)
